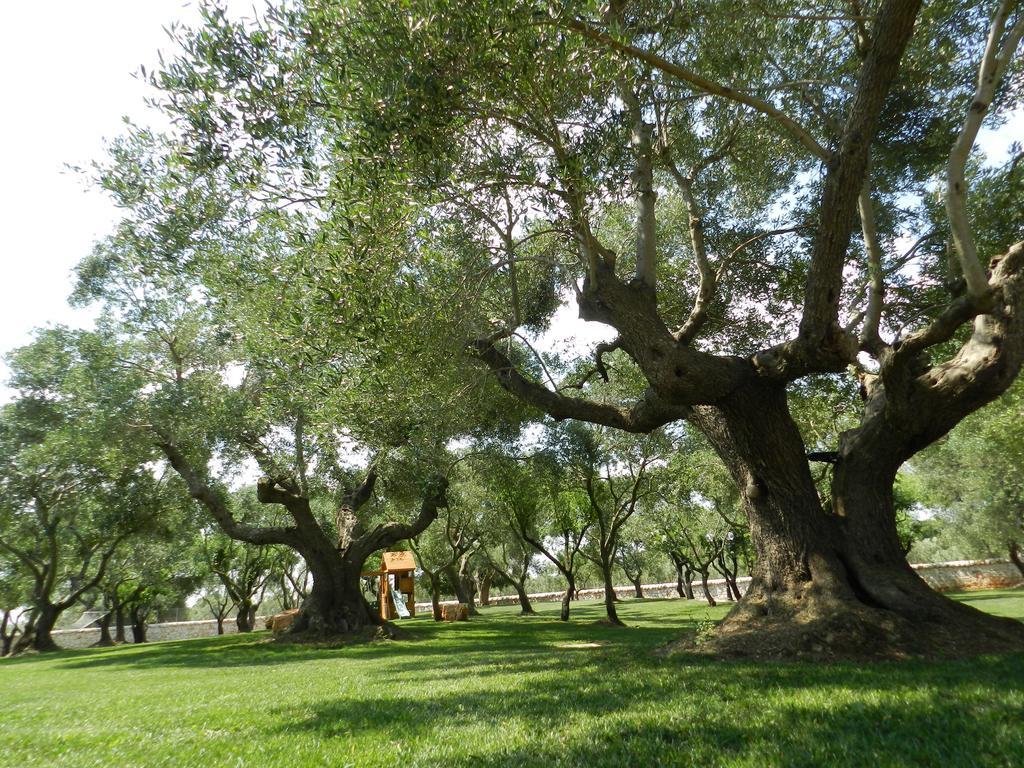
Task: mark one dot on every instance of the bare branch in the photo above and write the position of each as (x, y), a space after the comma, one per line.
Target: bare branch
(869, 338)
(703, 84)
(998, 53)
(643, 416)
(845, 177)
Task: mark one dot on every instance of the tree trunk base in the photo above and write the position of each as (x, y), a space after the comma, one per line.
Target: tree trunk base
(366, 634)
(814, 624)
(338, 616)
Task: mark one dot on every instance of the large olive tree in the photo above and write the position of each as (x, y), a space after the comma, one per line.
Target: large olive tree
(692, 175)
(752, 142)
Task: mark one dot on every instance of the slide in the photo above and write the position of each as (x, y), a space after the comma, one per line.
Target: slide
(399, 600)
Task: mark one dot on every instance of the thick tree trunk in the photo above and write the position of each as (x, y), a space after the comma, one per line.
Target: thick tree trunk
(570, 590)
(244, 616)
(335, 604)
(609, 595)
(138, 626)
(525, 607)
(828, 584)
(638, 589)
(119, 633)
(1015, 556)
(42, 641)
(105, 639)
(464, 585)
(220, 625)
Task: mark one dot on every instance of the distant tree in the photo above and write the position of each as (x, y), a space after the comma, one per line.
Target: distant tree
(243, 569)
(217, 599)
(976, 476)
(441, 551)
(557, 528)
(615, 472)
(75, 485)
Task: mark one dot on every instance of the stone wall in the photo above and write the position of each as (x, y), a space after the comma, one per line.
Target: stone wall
(962, 575)
(967, 575)
(172, 630)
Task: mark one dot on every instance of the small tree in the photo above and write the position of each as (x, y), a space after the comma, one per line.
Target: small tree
(243, 569)
(615, 472)
(218, 600)
(439, 549)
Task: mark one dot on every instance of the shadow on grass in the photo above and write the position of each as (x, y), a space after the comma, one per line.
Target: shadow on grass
(479, 643)
(634, 711)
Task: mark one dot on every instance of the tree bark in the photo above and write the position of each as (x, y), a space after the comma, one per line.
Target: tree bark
(119, 633)
(485, 587)
(707, 591)
(435, 595)
(829, 583)
(679, 581)
(570, 590)
(525, 607)
(42, 641)
(244, 616)
(464, 585)
(609, 596)
(138, 625)
(335, 604)
(105, 639)
(1015, 556)
(638, 589)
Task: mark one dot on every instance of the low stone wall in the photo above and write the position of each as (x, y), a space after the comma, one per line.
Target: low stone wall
(172, 630)
(962, 575)
(967, 575)
(956, 576)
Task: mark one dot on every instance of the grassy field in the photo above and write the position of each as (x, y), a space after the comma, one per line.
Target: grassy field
(504, 691)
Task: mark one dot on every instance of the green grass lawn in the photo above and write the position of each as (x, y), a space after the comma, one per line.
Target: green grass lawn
(503, 690)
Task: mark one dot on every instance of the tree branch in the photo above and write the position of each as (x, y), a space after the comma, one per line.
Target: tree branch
(213, 499)
(643, 416)
(387, 534)
(993, 63)
(703, 84)
(869, 338)
(846, 172)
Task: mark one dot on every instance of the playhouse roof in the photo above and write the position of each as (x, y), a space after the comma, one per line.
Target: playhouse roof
(397, 561)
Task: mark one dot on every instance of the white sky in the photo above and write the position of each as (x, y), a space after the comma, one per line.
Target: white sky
(66, 75)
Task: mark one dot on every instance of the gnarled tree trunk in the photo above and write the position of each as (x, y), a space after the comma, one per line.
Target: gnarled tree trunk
(245, 616)
(1015, 556)
(105, 639)
(41, 639)
(570, 590)
(830, 582)
(525, 606)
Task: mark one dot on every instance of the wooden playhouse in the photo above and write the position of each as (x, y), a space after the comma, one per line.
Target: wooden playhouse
(397, 585)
